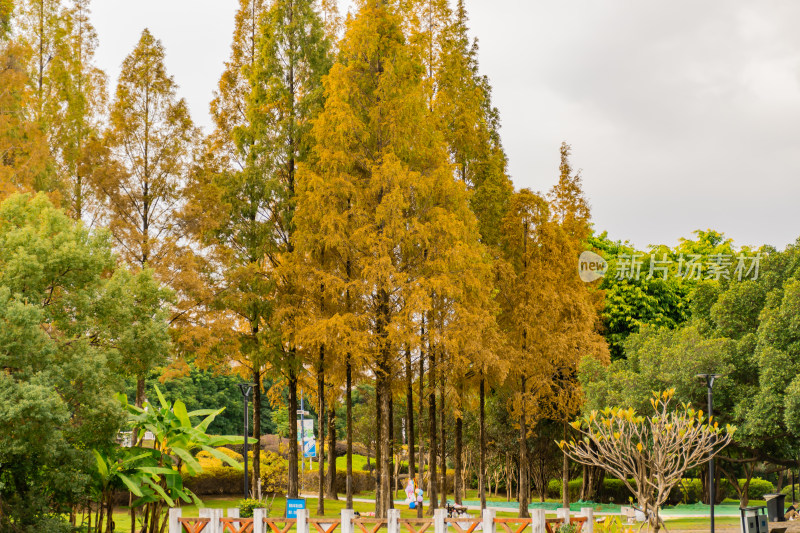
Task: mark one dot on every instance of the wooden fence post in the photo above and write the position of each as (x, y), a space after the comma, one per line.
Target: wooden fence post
(538, 521)
(258, 520)
(488, 521)
(588, 512)
(439, 525)
(174, 514)
(302, 521)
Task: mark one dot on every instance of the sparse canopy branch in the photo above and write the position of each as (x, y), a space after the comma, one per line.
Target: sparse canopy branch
(654, 451)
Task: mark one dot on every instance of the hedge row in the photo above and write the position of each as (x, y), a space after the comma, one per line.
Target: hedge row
(689, 490)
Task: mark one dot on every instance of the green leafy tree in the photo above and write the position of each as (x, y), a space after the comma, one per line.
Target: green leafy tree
(631, 303)
(58, 357)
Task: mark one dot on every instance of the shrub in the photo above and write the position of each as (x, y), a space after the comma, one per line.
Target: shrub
(554, 488)
(614, 490)
(246, 507)
(274, 473)
(362, 481)
(219, 478)
(759, 487)
(215, 480)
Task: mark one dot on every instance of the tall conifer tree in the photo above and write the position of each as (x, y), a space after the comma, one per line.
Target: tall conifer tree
(287, 95)
(81, 92)
(380, 204)
(151, 137)
(233, 196)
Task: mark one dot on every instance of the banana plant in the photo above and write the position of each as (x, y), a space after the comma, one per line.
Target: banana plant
(119, 469)
(176, 442)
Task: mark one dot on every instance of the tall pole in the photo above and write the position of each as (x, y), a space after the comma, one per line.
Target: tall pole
(711, 477)
(711, 474)
(246, 389)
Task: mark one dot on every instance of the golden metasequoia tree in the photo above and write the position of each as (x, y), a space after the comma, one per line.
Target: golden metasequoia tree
(25, 163)
(549, 316)
(578, 319)
(81, 93)
(469, 124)
(150, 136)
(384, 231)
(231, 200)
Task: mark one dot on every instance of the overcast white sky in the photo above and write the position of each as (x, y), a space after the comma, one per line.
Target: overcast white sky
(682, 114)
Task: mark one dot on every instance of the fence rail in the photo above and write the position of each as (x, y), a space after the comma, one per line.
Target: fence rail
(193, 525)
(236, 525)
(578, 521)
(212, 521)
(288, 523)
(422, 524)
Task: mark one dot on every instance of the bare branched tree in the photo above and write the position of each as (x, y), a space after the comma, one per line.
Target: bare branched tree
(649, 454)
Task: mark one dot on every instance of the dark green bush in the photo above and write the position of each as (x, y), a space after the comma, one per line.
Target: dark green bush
(758, 487)
(362, 481)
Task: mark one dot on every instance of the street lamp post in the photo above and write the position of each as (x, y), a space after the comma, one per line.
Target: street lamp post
(711, 475)
(246, 389)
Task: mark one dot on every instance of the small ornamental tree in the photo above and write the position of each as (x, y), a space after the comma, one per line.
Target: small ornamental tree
(648, 454)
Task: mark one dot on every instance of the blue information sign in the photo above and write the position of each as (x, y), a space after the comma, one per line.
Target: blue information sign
(292, 506)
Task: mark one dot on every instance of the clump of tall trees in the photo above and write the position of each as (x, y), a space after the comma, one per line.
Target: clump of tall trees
(348, 220)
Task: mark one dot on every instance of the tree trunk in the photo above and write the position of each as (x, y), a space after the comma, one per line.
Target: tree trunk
(332, 453)
(386, 448)
(349, 403)
(133, 513)
(110, 514)
(458, 487)
(292, 491)
(482, 429)
(390, 445)
(508, 478)
(321, 433)
(412, 467)
(139, 392)
(378, 444)
(432, 461)
(565, 475)
(421, 412)
(522, 490)
(592, 482)
(100, 514)
(256, 430)
(442, 446)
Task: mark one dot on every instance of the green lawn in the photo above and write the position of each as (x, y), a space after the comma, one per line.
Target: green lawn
(359, 461)
(334, 508)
